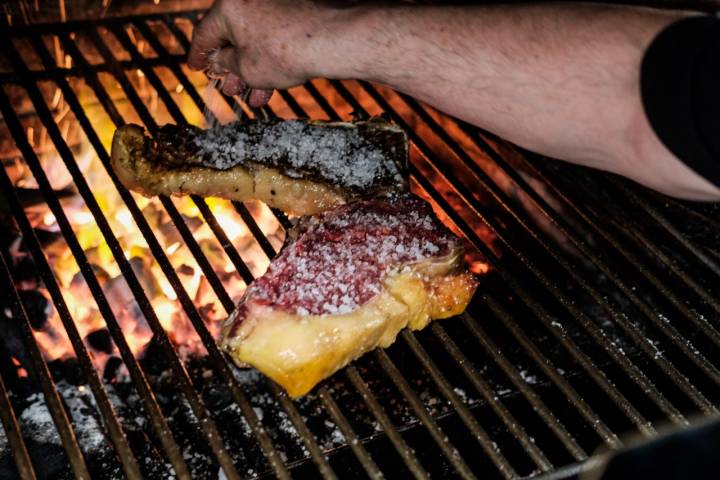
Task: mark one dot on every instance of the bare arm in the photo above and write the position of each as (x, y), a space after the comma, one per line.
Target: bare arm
(559, 79)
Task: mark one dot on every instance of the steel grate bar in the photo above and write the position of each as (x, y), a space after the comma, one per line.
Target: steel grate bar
(349, 434)
(549, 369)
(428, 422)
(643, 342)
(687, 209)
(469, 420)
(138, 376)
(40, 370)
(575, 205)
(561, 225)
(55, 73)
(680, 380)
(308, 439)
(480, 385)
(225, 242)
(148, 399)
(665, 223)
(36, 29)
(254, 228)
(596, 374)
(199, 409)
(197, 253)
(497, 458)
(110, 420)
(609, 437)
(12, 429)
(707, 296)
(680, 272)
(113, 327)
(290, 101)
(247, 410)
(402, 448)
(676, 269)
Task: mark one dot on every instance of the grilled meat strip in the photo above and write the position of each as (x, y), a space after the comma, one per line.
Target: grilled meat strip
(347, 283)
(299, 166)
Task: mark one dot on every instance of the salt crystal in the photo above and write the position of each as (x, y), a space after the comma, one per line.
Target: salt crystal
(339, 261)
(339, 154)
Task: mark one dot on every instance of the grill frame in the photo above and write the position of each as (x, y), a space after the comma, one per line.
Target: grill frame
(424, 155)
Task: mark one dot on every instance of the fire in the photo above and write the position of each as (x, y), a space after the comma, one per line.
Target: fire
(85, 313)
(86, 316)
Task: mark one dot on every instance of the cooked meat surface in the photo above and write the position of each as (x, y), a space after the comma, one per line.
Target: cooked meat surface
(347, 283)
(301, 167)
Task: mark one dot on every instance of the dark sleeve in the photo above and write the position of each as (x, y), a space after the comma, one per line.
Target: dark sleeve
(680, 85)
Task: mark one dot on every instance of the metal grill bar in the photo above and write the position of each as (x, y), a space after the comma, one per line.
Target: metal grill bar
(136, 372)
(125, 455)
(467, 418)
(482, 386)
(407, 454)
(641, 341)
(196, 403)
(40, 369)
(567, 230)
(560, 225)
(604, 432)
(352, 439)
(582, 358)
(114, 328)
(430, 424)
(619, 235)
(209, 342)
(12, 431)
(672, 230)
(472, 424)
(248, 412)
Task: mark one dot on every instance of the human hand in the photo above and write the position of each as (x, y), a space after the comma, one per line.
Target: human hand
(261, 44)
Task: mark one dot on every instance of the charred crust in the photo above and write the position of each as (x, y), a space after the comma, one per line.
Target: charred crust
(173, 147)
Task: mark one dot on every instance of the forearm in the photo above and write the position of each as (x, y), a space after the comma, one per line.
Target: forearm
(562, 80)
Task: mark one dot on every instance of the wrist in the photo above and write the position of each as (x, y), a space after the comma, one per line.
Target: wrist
(352, 43)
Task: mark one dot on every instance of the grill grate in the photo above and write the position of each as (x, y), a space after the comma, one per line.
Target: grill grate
(599, 315)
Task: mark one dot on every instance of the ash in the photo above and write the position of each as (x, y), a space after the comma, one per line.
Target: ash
(37, 424)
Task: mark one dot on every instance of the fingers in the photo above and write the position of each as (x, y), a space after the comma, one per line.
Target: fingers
(259, 97)
(226, 60)
(233, 85)
(209, 36)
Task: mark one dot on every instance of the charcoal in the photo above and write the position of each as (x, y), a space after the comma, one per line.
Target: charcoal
(100, 340)
(37, 306)
(153, 357)
(112, 368)
(47, 237)
(67, 369)
(26, 272)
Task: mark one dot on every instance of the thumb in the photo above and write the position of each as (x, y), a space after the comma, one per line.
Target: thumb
(209, 35)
